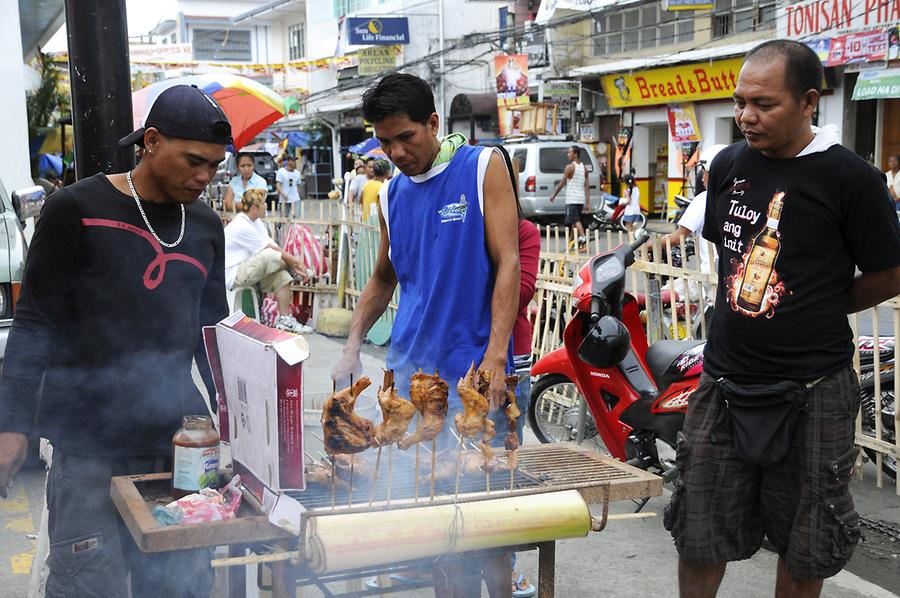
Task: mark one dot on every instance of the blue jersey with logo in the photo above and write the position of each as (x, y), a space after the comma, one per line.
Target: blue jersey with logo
(446, 277)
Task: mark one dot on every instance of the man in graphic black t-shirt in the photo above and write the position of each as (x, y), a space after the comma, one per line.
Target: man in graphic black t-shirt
(793, 214)
(121, 275)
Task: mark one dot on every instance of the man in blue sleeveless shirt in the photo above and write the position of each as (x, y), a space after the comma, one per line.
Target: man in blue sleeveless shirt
(449, 230)
(449, 238)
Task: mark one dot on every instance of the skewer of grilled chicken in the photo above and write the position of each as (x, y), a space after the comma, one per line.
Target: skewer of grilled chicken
(429, 395)
(319, 472)
(511, 441)
(397, 412)
(345, 432)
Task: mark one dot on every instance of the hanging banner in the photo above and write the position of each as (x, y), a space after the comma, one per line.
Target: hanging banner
(807, 18)
(683, 126)
(512, 79)
(549, 7)
(682, 83)
(377, 59)
(385, 32)
(858, 47)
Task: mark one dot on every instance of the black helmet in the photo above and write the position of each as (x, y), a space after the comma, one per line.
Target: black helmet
(606, 344)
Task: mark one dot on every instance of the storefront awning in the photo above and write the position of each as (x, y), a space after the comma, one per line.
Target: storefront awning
(636, 64)
(876, 84)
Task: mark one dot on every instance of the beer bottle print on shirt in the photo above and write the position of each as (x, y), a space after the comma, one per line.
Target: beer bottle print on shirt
(761, 259)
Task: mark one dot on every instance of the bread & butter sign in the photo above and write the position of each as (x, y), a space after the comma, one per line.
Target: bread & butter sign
(683, 83)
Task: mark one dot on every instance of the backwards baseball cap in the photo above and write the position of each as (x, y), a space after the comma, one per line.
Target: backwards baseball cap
(184, 112)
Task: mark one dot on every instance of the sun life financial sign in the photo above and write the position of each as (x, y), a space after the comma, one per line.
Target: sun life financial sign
(366, 32)
(682, 83)
(800, 20)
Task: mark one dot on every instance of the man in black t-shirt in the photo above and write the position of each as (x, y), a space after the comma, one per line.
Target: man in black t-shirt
(794, 215)
(123, 272)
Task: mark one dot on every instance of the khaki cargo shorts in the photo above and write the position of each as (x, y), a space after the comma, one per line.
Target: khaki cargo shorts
(267, 269)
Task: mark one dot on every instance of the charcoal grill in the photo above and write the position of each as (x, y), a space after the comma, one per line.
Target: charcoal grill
(543, 468)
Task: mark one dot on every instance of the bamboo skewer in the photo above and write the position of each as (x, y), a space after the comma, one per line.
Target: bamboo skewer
(459, 448)
(350, 499)
(418, 425)
(433, 457)
(390, 471)
(333, 391)
(375, 477)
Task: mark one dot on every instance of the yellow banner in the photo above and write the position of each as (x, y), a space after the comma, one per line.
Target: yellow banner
(682, 83)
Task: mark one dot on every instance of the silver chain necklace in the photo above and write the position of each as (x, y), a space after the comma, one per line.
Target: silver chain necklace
(137, 200)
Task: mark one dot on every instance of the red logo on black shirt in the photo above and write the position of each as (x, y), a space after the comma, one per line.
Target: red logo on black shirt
(156, 269)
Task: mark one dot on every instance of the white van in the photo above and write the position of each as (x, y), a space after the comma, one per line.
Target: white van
(541, 165)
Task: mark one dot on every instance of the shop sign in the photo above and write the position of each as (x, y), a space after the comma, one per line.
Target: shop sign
(807, 18)
(683, 126)
(877, 84)
(858, 47)
(377, 59)
(559, 89)
(385, 32)
(512, 79)
(587, 133)
(688, 5)
(682, 83)
(159, 53)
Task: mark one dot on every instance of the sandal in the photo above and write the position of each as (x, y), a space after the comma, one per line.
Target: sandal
(522, 588)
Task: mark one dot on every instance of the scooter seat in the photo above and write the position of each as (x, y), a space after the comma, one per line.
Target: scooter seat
(662, 354)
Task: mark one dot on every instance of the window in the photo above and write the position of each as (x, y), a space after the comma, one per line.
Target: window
(521, 155)
(741, 16)
(296, 44)
(553, 159)
(222, 44)
(642, 28)
(345, 7)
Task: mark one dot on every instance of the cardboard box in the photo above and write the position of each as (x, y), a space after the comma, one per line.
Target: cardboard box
(258, 374)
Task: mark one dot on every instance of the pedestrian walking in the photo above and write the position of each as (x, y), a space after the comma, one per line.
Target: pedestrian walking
(575, 179)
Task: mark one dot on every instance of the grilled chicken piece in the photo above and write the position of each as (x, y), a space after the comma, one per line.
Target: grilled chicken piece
(398, 412)
(345, 432)
(473, 464)
(429, 395)
(319, 473)
(473, 420)
(363, 468)
(511, 442)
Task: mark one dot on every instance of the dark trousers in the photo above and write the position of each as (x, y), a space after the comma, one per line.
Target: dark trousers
(91, 550)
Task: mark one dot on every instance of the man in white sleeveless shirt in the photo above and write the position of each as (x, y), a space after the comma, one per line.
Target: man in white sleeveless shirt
(578, 200)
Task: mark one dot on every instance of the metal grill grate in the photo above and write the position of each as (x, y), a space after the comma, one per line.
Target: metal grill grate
(318, 496)
(561, 466)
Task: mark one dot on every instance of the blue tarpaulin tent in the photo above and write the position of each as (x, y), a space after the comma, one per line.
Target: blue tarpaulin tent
(48, 162)
(363, 146)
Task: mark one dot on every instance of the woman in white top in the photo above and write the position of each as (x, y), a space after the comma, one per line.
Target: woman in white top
(632, 201)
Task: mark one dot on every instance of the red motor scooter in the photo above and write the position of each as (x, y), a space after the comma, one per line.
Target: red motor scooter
(637, 395)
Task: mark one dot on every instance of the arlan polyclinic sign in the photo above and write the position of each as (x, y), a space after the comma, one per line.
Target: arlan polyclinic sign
(807, 18)
(682, 83)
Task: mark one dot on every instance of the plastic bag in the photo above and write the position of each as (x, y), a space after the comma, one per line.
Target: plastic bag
(204, 506)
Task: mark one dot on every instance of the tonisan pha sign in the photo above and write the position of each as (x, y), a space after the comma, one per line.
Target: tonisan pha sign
(808, 18)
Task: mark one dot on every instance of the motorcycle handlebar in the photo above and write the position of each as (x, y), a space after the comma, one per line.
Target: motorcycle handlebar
(629, 258)
(595, 309)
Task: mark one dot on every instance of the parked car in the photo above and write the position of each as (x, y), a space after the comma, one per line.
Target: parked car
(541, 165)
(14, 210)
(263, 164)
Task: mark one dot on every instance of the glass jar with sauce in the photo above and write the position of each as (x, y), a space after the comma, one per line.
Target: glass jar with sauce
(196, 456)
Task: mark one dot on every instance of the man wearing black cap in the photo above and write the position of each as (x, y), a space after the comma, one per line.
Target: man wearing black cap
(122, 273)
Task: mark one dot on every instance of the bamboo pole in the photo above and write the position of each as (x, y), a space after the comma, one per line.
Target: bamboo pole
(274, 557)
(390, 472)
(433, 458)
(418, 425)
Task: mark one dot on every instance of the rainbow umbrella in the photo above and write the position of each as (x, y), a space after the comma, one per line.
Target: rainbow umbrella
(249, 105)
